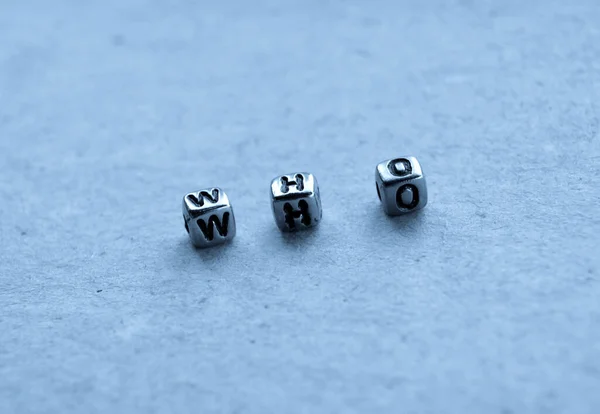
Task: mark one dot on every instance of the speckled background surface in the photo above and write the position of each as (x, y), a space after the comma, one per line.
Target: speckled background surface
(486, 302)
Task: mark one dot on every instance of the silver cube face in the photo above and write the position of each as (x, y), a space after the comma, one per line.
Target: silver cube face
(208, 217)
(401, 185)
(296, 201)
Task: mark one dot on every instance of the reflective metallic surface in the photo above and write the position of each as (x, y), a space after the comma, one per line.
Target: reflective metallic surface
(208, 217)
(296, 201)
(401, 185)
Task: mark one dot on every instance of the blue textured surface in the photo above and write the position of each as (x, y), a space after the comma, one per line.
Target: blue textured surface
(488, 301)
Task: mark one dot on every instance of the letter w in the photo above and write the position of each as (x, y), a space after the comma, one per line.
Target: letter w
(213, 222)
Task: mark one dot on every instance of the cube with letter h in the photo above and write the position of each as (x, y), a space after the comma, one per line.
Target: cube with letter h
(401, 185)
(296, 201)
(208, 217)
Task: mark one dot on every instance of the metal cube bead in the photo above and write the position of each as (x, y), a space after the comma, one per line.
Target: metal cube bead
(296, 201)
(401, 185)
(208, 217)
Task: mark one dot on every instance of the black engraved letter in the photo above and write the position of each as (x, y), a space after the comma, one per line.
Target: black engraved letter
(208, 230)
